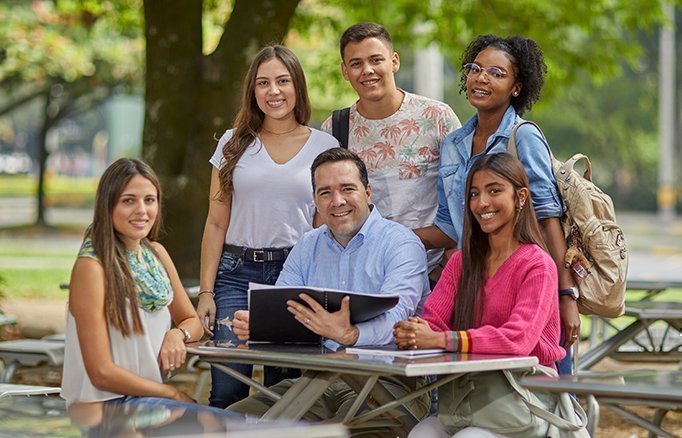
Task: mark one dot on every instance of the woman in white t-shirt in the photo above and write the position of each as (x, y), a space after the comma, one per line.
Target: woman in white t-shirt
(260, 200)
(124, 294)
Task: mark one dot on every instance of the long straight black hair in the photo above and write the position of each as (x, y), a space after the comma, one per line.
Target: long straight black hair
(469, 302)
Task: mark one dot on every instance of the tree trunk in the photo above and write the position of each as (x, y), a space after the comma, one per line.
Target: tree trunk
(42, 163)
(191, 99)
(50, 116)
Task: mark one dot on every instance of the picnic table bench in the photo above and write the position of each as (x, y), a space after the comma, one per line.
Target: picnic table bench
(654, 335)
(661, 390)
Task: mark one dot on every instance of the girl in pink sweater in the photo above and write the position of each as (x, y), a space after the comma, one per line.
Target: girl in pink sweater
(498, 294)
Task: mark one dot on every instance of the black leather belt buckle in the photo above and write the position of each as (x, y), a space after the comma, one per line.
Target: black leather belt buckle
(260, 256)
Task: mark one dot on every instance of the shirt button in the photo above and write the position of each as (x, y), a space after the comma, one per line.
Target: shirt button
(343, 282)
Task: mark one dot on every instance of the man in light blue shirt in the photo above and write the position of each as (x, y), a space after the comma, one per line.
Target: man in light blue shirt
(356, 250)
(382, 257)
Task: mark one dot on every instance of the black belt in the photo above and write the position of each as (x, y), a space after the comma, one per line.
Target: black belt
(258, 255)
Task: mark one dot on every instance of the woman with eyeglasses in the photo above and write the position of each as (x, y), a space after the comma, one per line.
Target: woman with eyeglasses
(502, 79)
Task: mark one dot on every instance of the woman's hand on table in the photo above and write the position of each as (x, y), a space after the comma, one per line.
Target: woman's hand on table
(173, 352)
(416, 333)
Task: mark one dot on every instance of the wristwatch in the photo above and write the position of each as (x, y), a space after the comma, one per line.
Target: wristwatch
(573, 292)
(186, 333)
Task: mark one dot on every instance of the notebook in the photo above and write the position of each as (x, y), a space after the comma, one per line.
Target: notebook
(270, 321)
(393, 351)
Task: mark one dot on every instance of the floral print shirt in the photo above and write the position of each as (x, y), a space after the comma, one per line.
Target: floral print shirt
(401, 153)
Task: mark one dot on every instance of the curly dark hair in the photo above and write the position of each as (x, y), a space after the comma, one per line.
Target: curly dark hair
(529, 65)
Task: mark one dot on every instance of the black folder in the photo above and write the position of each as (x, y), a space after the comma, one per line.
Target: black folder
(270, 321)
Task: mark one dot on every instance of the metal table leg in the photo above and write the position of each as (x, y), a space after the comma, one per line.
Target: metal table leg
(9, 370)
(657, 420)
(301, 396)
(639, 421)
(594, 355)
(246, 380)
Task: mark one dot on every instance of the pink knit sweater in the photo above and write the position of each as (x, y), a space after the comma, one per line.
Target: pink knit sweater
(521, 314)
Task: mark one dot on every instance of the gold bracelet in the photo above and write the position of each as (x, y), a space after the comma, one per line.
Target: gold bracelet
(206, 291)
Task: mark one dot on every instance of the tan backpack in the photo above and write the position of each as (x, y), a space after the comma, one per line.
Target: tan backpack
(596, 246)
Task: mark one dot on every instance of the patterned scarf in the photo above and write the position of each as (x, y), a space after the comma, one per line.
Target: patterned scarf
(154, 291)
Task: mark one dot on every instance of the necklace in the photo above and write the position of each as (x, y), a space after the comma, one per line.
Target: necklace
(282, 133)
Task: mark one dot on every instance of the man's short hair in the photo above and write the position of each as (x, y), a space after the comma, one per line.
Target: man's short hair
(361, 31)
(334, 155)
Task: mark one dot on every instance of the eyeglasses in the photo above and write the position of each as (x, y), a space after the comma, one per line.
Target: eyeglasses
(472, 71)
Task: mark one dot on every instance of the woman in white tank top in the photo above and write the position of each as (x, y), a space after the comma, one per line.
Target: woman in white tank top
(123, 295)
(260, 200)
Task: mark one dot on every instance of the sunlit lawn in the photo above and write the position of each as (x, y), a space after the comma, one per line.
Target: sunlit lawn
(34, 273)
(59, 190)
(38, 272)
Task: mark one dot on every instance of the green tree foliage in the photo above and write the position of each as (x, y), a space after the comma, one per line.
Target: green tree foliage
(615, 124)
(69, 54)
(578, 37)
(615, 121)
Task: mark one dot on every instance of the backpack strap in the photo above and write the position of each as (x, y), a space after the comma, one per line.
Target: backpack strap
(511, 145)
(568, 165)
(340, 125)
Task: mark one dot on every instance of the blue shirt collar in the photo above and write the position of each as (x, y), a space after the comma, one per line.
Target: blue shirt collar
(372, 219)
(503, 130)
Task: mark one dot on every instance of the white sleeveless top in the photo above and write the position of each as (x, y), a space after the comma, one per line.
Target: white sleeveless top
(272, 204)
(137, 353)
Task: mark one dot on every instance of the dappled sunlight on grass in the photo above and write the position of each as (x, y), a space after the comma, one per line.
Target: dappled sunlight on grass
(60, 190)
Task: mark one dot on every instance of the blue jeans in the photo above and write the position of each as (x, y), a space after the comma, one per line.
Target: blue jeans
(231, 294)
(160, 402)
(565, 365)
(154, 416)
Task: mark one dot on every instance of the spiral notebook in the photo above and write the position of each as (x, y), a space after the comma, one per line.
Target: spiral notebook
(270, 321)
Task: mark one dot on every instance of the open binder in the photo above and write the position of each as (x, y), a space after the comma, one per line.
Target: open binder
(270, 321)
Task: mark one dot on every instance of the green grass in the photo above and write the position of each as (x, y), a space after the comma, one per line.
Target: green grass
(16, 250)
(35, 282)
(59, 190)
(35, 271)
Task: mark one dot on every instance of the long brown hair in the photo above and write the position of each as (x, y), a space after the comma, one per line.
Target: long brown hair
(249, 120)
(469, 302)
(110, 249)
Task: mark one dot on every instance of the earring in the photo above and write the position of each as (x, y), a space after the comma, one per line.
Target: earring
(516, 93)
(521, 204)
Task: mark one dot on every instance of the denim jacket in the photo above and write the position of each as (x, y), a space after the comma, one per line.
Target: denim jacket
(456, 160)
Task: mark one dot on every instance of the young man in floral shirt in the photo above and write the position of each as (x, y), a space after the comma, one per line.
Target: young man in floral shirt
(397, 134)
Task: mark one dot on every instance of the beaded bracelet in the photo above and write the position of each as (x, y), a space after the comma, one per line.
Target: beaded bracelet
(206, 291)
